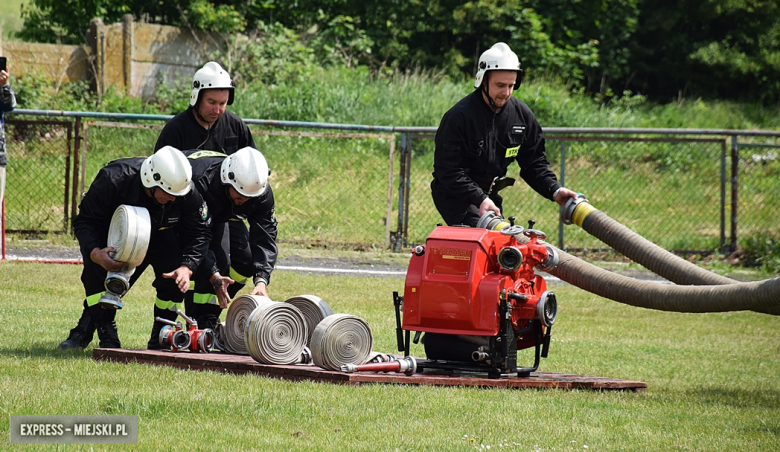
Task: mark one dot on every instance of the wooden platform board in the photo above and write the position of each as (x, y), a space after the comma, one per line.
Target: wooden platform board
(239, 364)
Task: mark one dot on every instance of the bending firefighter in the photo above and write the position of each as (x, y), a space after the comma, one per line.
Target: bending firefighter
(481, 136)
(178, 239)
(236, 189)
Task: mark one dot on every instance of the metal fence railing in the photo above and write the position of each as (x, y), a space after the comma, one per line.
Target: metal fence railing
(340, 185)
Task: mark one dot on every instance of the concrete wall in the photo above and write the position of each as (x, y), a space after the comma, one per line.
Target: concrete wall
(127, 55)
(58, 63)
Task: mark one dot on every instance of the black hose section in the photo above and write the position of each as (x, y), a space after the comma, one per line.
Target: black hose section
(655, 258)
(648, 254)
(667, 297)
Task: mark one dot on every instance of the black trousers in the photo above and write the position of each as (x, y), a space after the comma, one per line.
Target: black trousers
(163, 254)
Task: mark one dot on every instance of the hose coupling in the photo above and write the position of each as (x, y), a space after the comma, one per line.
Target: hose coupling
(567, 211)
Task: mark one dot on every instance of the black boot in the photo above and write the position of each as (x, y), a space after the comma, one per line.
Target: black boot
(106, 326)
(208, 316)
(82, 335)
(154, 340)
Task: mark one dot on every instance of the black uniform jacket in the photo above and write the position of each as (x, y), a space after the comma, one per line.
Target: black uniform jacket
(119, 183)
(259, 212)
(227, 135)
(474, 145)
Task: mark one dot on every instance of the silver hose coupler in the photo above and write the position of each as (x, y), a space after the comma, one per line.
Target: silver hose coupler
(571, 205)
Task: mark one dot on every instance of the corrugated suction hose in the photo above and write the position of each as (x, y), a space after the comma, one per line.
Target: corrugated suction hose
(653, 257)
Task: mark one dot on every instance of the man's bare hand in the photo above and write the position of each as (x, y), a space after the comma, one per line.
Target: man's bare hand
(260, 289)
(487, 205)
(221, 289)
(181, 277)
(102, 257)
(563, 195)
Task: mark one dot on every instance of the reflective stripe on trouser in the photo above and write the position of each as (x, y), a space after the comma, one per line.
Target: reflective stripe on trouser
(92, 300)
(204, 298)
(238, 277)
(169, 305)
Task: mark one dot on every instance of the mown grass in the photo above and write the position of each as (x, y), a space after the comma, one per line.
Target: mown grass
(712, 380)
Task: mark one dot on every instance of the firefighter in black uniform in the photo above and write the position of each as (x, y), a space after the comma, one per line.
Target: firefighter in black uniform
(206, 124)
(236, 188)
(481, 136)
(179, 237)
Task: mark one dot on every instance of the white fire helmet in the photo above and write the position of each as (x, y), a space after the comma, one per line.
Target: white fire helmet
(246, 171)
(498, 58)
(211, 76)
(168, 169)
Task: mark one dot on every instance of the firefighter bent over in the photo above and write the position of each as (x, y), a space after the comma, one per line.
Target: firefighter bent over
(236, 190)
(178, 238)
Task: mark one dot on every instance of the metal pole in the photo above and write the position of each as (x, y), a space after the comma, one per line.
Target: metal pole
(407, 189)
(390, 176)
(723, 248)
(401, 191)
(65, 215)
(734, 191)
(74, 199)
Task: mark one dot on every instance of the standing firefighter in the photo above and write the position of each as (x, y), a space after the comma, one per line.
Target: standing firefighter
(236, 189)
(481, 136)
(179, 236)
(206, 124)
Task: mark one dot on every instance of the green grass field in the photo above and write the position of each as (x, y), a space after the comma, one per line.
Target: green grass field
(712, 380)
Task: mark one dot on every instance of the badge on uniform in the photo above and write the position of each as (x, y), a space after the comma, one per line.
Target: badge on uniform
(512, 152)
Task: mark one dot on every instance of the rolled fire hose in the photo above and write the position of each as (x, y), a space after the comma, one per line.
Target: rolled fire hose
(642, 251)
(275, 333)
(341, 339)
(231, 334)
(129, 234)
(314, 310)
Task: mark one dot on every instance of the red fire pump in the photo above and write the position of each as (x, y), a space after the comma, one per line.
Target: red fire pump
(192, 339)
(475, 295)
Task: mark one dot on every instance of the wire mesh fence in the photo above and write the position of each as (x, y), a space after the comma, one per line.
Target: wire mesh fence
(38, 176)
(676, 192)
(331, 188)
(356, 190)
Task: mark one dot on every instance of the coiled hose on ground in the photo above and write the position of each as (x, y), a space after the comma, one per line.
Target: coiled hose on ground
(341, 339)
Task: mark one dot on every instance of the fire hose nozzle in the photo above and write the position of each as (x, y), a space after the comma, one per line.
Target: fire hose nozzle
(406, 365)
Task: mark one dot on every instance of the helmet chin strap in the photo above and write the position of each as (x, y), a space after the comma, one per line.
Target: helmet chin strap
(486, 92)
(196, 110)
(227, 193)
